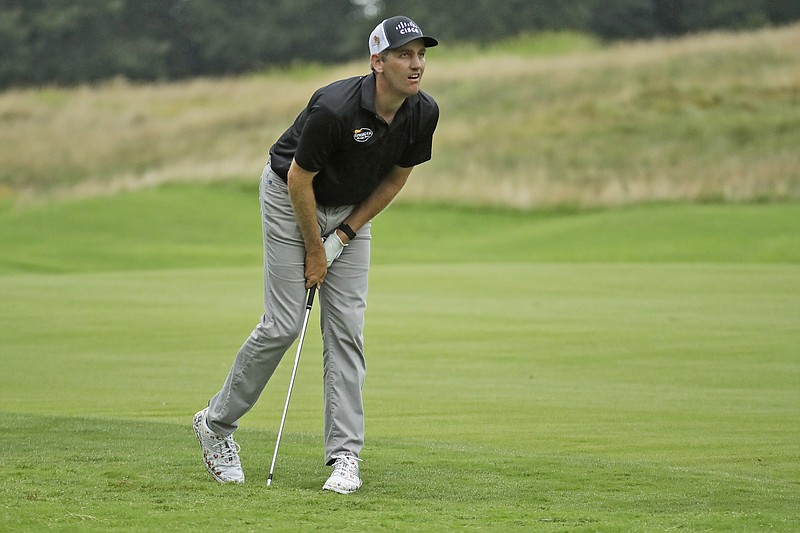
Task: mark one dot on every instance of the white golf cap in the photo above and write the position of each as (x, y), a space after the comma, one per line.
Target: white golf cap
(395, 32)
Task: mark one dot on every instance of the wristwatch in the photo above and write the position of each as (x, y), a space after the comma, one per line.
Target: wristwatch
(347, 230)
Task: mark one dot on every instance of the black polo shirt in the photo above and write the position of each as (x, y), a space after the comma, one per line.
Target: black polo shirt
(340, 135)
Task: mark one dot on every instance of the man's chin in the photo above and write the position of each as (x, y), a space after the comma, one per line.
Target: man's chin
(412, 89)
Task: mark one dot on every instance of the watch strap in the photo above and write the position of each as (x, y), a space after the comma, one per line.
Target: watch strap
(347, 230)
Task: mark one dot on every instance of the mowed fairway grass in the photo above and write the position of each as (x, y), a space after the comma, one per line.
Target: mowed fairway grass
(615, 370)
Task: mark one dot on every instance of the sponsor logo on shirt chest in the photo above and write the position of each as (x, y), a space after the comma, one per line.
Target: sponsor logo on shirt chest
(362, 135)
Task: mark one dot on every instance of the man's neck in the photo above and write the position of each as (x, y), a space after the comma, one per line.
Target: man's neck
(386, 104)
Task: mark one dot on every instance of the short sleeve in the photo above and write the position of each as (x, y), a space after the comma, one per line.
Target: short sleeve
(420, 148)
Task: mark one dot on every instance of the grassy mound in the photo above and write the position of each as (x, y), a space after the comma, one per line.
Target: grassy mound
(543, 121)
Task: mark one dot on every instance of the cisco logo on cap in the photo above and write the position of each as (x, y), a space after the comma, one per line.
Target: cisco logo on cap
(404, 28)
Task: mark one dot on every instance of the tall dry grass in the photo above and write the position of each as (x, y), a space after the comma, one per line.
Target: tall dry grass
(119, 136)
(710, 117)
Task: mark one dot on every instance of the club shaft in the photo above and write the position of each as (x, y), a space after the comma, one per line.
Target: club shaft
(309, 302)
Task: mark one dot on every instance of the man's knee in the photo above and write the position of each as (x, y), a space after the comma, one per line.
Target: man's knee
(277, 332)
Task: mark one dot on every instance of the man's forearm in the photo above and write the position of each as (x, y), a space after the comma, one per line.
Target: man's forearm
(380, 198)
(301, 194)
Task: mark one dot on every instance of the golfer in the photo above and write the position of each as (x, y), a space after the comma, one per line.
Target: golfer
(343, 161)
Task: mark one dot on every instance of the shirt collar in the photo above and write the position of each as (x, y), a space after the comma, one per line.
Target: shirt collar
(368, 89)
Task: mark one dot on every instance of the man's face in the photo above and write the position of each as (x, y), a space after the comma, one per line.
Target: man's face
(404, 67)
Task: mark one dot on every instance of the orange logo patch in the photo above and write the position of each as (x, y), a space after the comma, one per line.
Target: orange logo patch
(362, 135)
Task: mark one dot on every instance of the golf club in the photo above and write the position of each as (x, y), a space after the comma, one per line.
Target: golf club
(309, 302)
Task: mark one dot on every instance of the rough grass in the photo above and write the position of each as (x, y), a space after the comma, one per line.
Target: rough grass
(703, 118)
(550, 121)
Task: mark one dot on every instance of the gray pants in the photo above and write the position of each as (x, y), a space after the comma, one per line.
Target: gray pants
(342, 303)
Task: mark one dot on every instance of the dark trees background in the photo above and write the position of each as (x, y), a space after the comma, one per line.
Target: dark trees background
(76, 41)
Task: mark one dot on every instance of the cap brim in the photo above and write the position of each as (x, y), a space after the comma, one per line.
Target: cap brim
(429, 42)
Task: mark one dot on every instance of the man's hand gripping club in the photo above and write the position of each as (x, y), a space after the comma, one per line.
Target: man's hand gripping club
(320, 252)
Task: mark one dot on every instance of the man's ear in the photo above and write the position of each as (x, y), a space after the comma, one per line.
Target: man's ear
(376, 63)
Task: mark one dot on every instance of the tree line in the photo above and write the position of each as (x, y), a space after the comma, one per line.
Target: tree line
(75, 41)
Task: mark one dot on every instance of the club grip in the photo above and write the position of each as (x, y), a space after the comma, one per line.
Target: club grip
(310, 300)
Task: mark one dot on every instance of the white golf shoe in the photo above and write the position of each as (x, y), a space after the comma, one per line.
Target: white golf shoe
(220, 454)
(345, 477)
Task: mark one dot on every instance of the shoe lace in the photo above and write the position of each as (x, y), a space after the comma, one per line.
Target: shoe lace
(346, 465)
(228, 450)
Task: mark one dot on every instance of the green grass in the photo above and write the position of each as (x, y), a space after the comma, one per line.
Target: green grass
(187, 226)
(603, 397)
(624, 370)
(565, 369)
